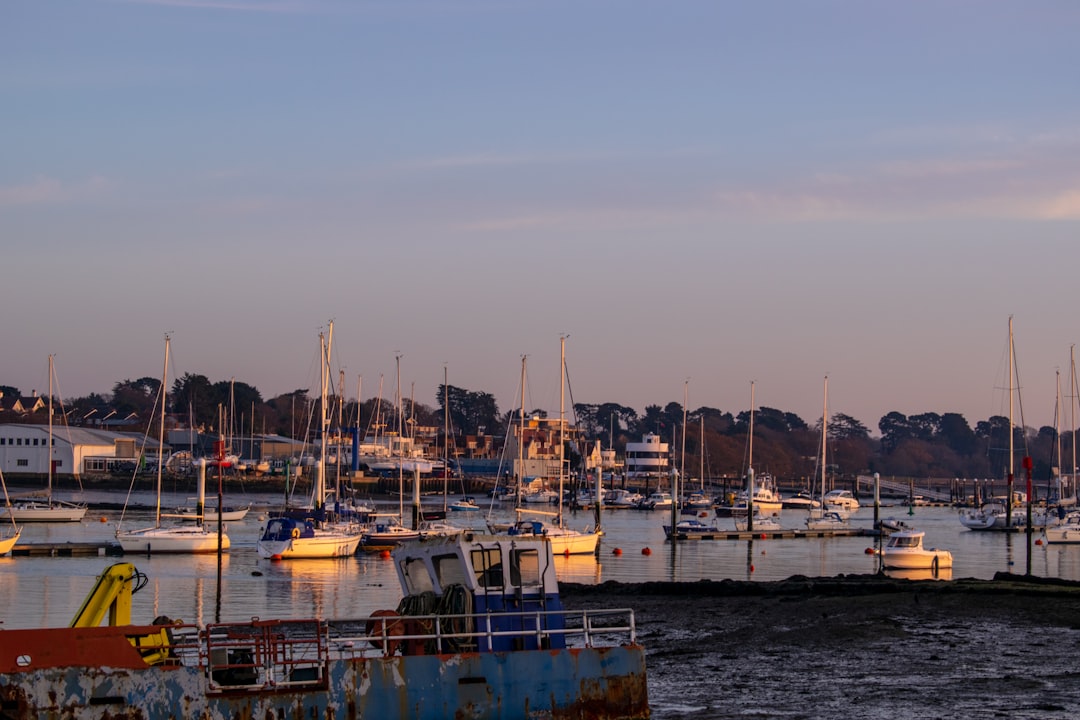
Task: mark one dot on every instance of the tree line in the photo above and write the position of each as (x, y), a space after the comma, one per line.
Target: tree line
(716, 441)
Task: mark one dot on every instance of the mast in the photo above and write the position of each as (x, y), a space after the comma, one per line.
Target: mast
(521, 437)
(1072, 415)
(446, 437)
(49, 454)
(161, 433)
(824, 436)
(750, 467)
(317, 491)
(562, 420)
(400, 458)
(1057, 433)
(1009, 495)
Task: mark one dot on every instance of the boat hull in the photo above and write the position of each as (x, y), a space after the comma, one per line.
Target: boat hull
(191, 541)
(916, 560)
(44, 512)
(321, 546)
(581, 682)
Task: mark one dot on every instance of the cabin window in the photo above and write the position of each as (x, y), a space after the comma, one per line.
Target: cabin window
(525, 568)
(487, 566)
(449, 570)
(417, 577)
(22, 462)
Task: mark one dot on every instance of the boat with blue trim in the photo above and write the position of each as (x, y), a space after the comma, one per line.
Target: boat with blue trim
(480, 632)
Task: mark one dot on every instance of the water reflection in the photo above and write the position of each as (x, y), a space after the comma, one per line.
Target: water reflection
(919, 574)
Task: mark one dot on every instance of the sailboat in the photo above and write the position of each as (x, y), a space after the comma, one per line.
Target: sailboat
(564, 540)
(186, 538)
(1005, 513)
(7, 542)
(48, 509)
(824, 517)
(311, 534)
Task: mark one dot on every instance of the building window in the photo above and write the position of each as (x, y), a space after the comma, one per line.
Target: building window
(35, 442)
(22, 462)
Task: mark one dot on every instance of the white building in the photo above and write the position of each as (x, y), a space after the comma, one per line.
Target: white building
(75, 450)
(648, 458)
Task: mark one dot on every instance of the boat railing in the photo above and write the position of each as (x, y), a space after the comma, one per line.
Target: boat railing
(268, 655)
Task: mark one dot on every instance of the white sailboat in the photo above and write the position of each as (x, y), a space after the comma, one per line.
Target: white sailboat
(1005, 513)
(564, 540)
(47, 509)
(313, 535)
(186, 538)
(825, 518)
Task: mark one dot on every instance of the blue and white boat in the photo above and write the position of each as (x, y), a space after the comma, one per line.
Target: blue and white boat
(480, 632)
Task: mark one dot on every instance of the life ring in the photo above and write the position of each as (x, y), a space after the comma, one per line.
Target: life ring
(295, 533)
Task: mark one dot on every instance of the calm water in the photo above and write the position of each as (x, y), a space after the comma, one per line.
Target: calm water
(48, 591)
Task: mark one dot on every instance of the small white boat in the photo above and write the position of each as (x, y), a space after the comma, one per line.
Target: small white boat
(564, 540)
(1065, 531)
(827, 520)
(656, 501)
(540, 497)
(905, 551)
(622, 498)
(210, 513)
(465, 504)
(180, 539)
(842, 499)
(763, 522)
(387, 533)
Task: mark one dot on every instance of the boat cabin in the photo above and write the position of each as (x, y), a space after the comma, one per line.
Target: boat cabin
(508, 583)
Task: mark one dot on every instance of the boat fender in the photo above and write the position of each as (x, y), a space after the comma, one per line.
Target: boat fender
(295, 533)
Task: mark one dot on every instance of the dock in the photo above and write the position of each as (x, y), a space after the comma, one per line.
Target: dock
(787, 534)
(68, 549)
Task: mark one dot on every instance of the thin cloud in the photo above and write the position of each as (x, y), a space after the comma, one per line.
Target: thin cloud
(50, 191)
(270, 6)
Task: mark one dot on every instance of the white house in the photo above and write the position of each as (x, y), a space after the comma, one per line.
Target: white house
(75, 450)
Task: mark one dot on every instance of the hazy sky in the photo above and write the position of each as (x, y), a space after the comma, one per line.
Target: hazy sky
(704, 191)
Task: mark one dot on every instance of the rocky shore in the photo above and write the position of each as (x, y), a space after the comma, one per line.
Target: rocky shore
(857, 646)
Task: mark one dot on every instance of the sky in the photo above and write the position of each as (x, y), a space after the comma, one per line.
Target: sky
(698, 194)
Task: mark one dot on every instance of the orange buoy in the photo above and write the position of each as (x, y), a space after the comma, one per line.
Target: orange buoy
(275, 557)
(869, 551)
(1039, 541)
(751, 568)
(104, 519)
(763, 536)
(646, 551)
(566, 552)
(617, 551)
(384, 554)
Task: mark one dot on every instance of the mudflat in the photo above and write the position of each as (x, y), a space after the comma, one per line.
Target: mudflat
(854, 646)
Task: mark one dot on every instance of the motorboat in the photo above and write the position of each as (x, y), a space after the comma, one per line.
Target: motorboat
(622, 498)
(1066, 530)
(689, 528)
(905, 551)
(801, 500)
(465, 504)
(697, 501)
(843, 499)
(656, 501)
